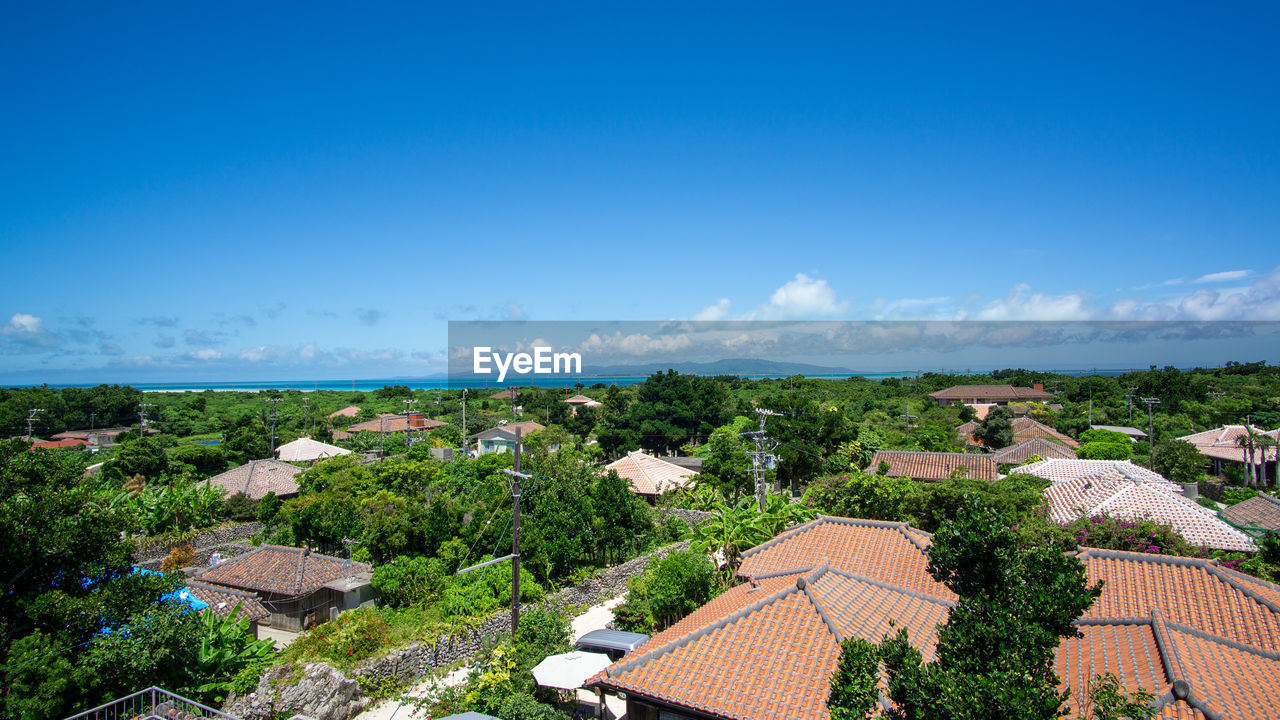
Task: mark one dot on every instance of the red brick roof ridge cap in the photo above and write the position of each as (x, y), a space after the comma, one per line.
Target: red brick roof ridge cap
(700, 632)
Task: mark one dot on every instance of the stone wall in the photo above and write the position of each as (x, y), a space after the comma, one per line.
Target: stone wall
(411, 661)
(206, 540)
(324, 693)
(692, 518)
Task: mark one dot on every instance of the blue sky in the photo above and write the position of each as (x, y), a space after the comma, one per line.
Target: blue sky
(232, 191)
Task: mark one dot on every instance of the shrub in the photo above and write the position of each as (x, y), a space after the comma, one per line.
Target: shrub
(669, 589)
(872, 497)
(1105, 451)
(240, 507)
(351, 637)
(178, 558)
(1233, 495)
(409, 580)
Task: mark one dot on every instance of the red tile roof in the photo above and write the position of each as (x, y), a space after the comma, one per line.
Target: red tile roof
(1220, 443)
(1201, 638)
(72, 442)
(1024, 428)
(1024, 450)
(393, 423)
(281, 570)
(1107, 493)
(348, 411)
(1261, 511)
(648, 475)
(991, 393)
(934, 465)
(259, 477)
(223, 600)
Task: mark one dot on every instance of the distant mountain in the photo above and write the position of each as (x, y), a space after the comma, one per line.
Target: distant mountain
(728, 366)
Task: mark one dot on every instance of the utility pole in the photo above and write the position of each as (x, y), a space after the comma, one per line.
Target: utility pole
(907, 417)
(464, 420)
(306, 415)
(514, 557)
(1151, 424)
(274, 400)
(31, 418)
(92, 417)
(408, 421)
(142, 418)
(1128, 399)
(761, 459)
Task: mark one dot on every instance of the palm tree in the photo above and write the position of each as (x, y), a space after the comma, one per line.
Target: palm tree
(1265, 443)
(1248, 441)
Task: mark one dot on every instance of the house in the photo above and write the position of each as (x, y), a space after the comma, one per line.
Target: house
(1057, 470)
(1220, 447)
(933, 465)
(223, 601)
(1199, 637)
(391, 423)
(1114, 491)
(508, 394)
(990, 395)
(101, 437)
(579, 400)
(67, 443)
(649, 476)
(257, 478)
(1257, 515)
(1134, 433)
(1024, 428)
(503, 437)
(1033, 447)
(349, 411)
(297, 587)
(307, 450)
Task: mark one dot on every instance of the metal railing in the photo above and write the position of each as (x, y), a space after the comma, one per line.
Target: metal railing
(152, 704)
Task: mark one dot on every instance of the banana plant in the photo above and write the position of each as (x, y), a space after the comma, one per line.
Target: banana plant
(226, 648)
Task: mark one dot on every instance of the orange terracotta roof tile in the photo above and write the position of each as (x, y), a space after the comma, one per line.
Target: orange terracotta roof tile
(934, 465)
(648, 475)
(281, 570)
(1202, 639)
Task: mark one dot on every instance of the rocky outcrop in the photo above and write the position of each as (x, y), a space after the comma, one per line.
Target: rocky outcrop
(315, 691)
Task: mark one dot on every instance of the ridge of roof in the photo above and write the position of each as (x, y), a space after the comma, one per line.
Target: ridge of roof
(612, 672)
(823, 519)
(803, 583)
(891, 587)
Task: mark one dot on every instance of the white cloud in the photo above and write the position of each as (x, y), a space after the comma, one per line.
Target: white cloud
(803, 298)
(719, 310)
(24, 323)
(203, 355)
(26, 333)
(1023, 304)
(1224, 276)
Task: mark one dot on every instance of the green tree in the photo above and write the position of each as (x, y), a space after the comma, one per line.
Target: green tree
(727, 464)
(1179, 461)
(854, 693)
(143, 456)
(996, 429)
(995, 653)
